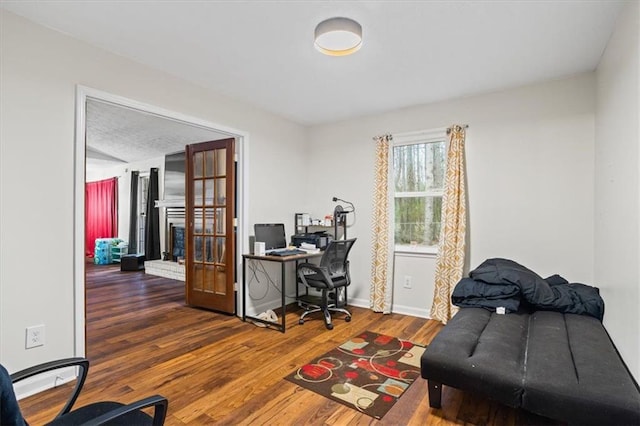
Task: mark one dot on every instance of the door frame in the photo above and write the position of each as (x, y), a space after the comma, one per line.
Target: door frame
(242, 184)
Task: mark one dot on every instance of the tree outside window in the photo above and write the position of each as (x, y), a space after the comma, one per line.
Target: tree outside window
(418, 178)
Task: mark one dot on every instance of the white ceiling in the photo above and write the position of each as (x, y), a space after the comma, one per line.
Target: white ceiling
(414, 52)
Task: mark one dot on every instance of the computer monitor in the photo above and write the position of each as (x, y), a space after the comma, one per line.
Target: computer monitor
(271, 234)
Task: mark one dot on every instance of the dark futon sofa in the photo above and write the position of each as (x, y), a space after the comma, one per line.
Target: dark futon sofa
(557, 364)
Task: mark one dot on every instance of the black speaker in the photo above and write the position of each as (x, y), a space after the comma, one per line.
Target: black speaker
(252, 240)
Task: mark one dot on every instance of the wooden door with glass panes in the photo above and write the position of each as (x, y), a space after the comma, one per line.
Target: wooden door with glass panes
(210, 249)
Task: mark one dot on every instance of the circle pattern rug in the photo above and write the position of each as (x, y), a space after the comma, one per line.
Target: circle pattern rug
(369, 372)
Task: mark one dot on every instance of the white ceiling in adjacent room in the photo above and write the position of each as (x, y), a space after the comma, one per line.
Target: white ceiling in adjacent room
(119, 135)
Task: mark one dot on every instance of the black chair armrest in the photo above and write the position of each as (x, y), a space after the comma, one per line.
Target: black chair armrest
(322, 271)
(83, 363)
(158, 401)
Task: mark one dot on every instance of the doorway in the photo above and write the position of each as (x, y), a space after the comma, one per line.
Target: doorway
(85, 95)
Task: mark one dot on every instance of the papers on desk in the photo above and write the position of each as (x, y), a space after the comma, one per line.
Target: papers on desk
(309, 248)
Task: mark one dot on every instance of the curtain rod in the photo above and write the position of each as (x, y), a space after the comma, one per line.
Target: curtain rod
(457, 127)
(423, 132)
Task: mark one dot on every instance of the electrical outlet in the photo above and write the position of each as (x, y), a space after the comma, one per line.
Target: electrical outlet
(407, 281)
(35, 336)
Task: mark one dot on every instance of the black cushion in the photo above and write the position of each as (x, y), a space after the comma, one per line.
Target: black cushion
(480, 351)
(91, 411)
(574, 372)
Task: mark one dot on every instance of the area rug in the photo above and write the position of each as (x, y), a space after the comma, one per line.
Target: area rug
(369, 373)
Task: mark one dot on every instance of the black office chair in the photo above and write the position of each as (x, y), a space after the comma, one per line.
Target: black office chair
(331, 278)
(98, 413)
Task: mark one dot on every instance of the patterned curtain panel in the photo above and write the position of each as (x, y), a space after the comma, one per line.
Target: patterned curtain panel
(451, 251)
(381, 277)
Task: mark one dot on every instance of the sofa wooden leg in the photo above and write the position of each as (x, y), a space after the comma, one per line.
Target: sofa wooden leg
(435, 394)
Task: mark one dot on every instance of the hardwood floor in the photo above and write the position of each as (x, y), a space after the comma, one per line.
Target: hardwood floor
(216, 369)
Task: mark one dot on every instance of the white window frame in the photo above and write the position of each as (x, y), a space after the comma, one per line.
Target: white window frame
(412, 138)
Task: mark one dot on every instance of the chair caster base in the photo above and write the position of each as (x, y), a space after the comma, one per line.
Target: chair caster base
(329, 326)
(301, 322)
(347, 318)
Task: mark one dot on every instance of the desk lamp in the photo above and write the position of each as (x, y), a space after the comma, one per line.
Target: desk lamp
(340, 216)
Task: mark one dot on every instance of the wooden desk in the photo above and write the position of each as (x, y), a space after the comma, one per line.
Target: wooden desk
(283, 260)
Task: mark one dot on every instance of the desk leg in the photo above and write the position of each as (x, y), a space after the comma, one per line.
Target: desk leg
(283, 291)
(244, 289)
(295, 278)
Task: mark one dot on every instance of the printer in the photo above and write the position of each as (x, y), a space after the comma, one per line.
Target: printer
(320, 239)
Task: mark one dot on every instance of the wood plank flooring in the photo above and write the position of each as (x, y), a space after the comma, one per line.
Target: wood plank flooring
(216, 369)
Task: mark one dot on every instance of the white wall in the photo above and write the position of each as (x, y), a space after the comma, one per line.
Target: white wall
(617, 187)
(530, 181)
(39, 71)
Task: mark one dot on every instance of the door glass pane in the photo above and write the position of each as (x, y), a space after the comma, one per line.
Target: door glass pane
(221, 193)
(221, 162)
(209, 191)
(196, 283)
(209, 279)
(197, 164)
(209, 163)
(221, 220)
(198, 225)
(209, 224)
(197, 192)
(220, 249)
(221, 280)
(208, 249)
(197, 249)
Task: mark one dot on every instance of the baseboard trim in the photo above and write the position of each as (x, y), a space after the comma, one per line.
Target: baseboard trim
(360, 303)
(396, 309)
(44, 381)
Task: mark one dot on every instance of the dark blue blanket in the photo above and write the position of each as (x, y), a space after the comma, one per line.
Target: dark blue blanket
(505, 283)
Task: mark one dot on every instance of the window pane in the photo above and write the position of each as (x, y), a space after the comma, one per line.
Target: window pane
(436, 162)
(409, 170)
(409, 220)
(419, 167)
(417, 220)
(433, 220)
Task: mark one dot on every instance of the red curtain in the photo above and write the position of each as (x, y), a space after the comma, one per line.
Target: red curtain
(101, 212)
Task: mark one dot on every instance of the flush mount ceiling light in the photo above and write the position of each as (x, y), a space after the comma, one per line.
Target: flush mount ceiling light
(338, 36)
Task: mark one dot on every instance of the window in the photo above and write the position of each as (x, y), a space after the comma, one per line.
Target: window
(419, 162)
